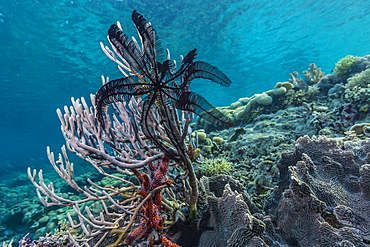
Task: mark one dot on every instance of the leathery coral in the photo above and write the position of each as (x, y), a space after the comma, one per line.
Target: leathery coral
(323, 193)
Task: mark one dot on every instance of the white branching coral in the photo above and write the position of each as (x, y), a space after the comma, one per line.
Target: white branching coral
(123, 149)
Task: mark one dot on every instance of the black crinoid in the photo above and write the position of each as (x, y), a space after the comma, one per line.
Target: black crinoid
(163, 86)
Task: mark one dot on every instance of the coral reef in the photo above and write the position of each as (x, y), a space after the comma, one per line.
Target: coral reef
(322, 199)
(146, 137)
(23, 213)
(358, 89)
(294, 172)
(315, 195)
(296, 92)
(49, 240)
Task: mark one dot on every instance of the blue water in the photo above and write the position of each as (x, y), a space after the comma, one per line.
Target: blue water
(49, 51)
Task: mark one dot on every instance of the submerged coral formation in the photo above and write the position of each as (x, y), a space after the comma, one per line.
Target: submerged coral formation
(295, 92)
(232, 222)
(146, 137)
(318, 193)
(295, 171)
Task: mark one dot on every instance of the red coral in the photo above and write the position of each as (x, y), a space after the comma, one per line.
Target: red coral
(167, 242)
(151, 209)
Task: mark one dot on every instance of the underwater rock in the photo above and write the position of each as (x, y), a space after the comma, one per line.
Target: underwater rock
(328, 82)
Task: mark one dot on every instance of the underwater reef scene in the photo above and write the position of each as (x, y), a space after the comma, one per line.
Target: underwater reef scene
(285, 167)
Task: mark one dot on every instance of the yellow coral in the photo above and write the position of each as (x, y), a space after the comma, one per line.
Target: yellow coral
(342, 66)
(218, 140)
(212, 167)
(264, 99)
(361, 79)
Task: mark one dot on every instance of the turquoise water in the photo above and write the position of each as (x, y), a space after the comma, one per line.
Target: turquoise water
(50, 52)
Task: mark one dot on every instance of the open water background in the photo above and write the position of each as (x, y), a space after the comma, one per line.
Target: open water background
(49, 52)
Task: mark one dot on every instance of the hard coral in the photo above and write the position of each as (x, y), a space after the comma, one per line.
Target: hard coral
(361, 64)
(343, 65)
(358, 89)
(360, 79)
(216, 166)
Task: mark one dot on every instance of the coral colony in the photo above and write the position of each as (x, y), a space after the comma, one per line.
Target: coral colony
(293, 172)
(146, 136)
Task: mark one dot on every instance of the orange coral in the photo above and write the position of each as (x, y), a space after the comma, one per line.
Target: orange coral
(167, 242)
(151, 209)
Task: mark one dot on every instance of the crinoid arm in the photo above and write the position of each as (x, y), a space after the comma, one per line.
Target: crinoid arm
(118, 90)
(200, 69)
(152, 47)
(128, 50)
(186, 62)
(189, 101)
